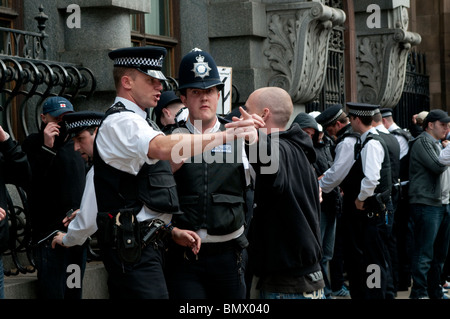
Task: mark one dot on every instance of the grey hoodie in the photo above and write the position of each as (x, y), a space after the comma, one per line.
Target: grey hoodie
(425, 171)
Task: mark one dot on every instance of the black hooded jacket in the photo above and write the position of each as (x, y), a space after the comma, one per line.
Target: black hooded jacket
(57, 184)
(284, 233)
(14, 169)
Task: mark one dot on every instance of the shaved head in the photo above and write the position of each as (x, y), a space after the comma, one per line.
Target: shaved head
(276, 100)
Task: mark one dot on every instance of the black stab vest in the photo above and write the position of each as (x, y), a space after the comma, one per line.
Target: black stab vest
(211, 188)
(153, 186)
(394, 154)
(351, 185)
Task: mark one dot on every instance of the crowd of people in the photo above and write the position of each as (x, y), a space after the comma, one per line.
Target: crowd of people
(186, 204)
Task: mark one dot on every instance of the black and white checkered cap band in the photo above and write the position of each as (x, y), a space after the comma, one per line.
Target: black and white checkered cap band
(139, 62)
(362, 112)
(334, 118)
(82, 123)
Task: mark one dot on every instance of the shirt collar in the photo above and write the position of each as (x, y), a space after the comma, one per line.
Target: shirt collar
(131, 106)
(364, 135)
(194, 130)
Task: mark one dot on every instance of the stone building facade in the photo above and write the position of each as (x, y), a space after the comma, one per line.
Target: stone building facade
(266, 42)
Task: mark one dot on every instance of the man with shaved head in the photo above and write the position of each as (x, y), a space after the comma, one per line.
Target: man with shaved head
(285, 244)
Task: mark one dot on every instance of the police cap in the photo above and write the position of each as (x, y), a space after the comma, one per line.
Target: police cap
(329, 115)
(362, 109)
(386, 112)
(77, 122)
(149, 59)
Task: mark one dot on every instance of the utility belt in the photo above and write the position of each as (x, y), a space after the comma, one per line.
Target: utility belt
(377, 203)
(123, 232)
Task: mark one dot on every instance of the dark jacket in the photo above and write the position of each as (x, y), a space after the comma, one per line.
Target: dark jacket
(14, 169)
(58, 179)
(284, 234)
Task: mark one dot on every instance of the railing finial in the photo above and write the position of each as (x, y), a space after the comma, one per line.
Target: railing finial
(41, 18)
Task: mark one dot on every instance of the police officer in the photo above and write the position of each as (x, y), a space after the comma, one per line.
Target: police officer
(165, 113)
(366, 192)
(136, 194)
(335, 122)
(337, 126)
(82, 128)
(401, 229)
(212, 189)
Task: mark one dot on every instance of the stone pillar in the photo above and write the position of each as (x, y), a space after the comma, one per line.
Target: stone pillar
(383, 44)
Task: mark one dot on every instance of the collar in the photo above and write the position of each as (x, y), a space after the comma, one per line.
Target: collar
(194, 130)
(131, 106)
(372, 130)
(394, 126)
(382, 128)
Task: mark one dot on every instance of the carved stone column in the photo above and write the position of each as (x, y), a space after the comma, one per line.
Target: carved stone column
(383, 44)
(297, 46)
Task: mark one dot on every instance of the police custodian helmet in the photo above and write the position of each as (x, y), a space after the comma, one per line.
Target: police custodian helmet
(198, 70)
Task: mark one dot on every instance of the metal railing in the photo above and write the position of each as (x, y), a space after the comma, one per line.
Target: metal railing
(416, 91)
(27, 78)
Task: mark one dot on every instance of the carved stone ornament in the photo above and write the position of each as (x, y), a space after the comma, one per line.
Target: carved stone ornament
(297, 46)
(381, 61)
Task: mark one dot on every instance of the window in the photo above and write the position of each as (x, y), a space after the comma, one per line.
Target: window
(159, 27)
(5, 3)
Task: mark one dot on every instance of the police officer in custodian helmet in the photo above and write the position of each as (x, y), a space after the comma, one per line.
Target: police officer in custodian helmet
(211, 188)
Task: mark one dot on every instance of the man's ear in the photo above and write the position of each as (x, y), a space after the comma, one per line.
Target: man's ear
(265, 113)
(166, 112)
(126, 82)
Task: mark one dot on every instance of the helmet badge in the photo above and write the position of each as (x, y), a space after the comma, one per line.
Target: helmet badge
(201, 68)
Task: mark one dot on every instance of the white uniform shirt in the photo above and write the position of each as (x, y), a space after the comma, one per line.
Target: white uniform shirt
(122, 142)
(84, 224)
(404, 147)
(372, 156)
(343, 162)
(444, 157)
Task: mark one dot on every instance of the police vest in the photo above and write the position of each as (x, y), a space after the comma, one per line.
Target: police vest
(351, 185)
(211, 188)
(394, 154)
(153, 186)
(404, 162)
(346, 131)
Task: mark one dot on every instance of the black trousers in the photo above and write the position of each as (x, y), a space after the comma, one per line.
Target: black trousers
(366, 254)
(141, 280)
(216, 273)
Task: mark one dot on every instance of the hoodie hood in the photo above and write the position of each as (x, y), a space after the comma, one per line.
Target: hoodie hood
(296, 135)
(305, 120)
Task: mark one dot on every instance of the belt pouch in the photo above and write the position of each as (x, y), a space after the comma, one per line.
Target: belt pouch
(127, 235)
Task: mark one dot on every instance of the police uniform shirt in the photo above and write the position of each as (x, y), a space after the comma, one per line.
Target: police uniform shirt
(444, 157)
(343, 162)
(122, 142)
(401, 140)
(372, 156)
(84, 224)
(382, 128)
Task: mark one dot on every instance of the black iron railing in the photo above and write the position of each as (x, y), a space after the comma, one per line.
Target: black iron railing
(416, 91)
(27, 78)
